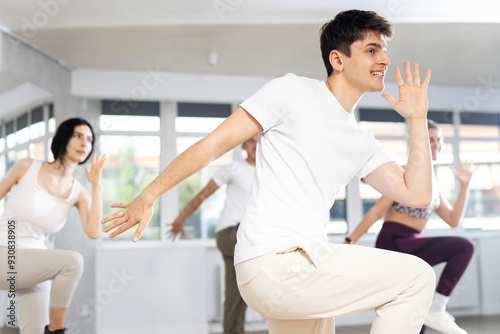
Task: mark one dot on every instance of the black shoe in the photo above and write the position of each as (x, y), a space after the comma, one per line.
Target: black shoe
(422, 331)
(59, 331)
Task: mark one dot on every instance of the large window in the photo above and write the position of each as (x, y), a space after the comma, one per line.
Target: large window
(140, 139)
(474, 137)
(26, 136)
(445, 161)
(480, 142)
(193, 122)
(130, 135)
(391, 130)
(338, 214)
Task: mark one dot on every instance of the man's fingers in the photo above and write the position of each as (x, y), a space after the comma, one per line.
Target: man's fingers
(389, 98)
(416, 75)
(399, 78)
(113, 224)
(113, 216)
(119, 205)
(138, 232)
(427, 78)
(124, 227)
(408, 73)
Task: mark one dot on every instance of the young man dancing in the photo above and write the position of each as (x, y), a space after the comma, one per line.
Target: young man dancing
(310, 146)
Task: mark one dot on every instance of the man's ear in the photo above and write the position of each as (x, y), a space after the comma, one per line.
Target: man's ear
(336, 60)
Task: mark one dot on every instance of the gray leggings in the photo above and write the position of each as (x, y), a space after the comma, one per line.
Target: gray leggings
(36, 271)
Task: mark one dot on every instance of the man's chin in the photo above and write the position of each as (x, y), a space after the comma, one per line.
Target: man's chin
(377, 89)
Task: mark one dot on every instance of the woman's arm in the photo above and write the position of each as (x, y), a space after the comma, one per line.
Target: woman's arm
(177, 225)
(90, 206)
(375, 213)
(13, 176)
(453, 214)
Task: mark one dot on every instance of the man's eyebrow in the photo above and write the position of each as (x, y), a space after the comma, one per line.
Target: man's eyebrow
(377, 45)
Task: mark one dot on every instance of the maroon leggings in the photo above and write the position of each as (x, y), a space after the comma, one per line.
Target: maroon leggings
(455, 251)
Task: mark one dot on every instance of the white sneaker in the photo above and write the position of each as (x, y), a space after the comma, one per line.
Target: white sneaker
(442, 322)
(449, 315)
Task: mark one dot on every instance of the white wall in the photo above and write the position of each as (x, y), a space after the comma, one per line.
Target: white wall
(152, 289)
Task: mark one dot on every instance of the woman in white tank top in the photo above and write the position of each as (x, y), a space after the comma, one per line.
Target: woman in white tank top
(39, 197)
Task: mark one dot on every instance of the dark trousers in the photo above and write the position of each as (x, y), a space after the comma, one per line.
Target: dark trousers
(455, 251)
(234, 306)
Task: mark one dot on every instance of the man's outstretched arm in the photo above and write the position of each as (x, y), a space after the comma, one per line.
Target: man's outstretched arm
(232, 132)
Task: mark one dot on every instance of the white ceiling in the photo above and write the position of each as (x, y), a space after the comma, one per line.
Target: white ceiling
(458, 39)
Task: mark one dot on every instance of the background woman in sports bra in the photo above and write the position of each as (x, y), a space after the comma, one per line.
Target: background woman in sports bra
(403, 225)
(39, 196)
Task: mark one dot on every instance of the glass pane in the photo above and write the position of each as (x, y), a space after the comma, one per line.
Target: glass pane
(201, 224)
(50, 156)
(398, 149)
(446, 181)
(445, 157)
(480, 151)
(3, 170)
(483, 210)
(134, 161)
(11, 159)
(338, 215)
(129, 123)
(381, 129)
(479, 131)
(368, 195)
(22, 154)
(23, 135)
(2, 144)
(11, 140)
(37, 130)
(448, 130)
(52, 125)
(197, 124)
(2, 166)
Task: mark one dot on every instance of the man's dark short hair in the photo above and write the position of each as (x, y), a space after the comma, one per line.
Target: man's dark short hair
(348, 27)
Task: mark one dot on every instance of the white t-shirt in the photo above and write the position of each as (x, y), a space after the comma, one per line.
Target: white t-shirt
(36, 213)
(238, 177)
(309, 149)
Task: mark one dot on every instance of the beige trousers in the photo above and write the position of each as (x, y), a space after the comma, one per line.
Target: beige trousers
(44, 277)
(300, 290)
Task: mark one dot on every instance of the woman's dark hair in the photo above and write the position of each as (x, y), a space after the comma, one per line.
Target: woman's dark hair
(64, 133)
(348, 27)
